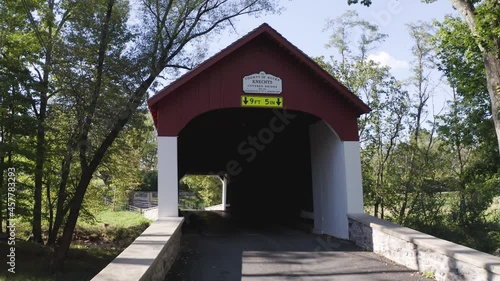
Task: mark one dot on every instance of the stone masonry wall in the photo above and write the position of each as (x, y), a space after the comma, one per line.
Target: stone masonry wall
(422, 252)
(158, 270)
(149, 257)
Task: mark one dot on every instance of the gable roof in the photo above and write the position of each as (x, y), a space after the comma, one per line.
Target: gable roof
(282, 42)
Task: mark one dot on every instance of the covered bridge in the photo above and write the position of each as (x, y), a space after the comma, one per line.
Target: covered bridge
(278, 127)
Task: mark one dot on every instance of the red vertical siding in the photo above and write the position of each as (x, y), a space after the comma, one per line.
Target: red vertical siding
(220, 86)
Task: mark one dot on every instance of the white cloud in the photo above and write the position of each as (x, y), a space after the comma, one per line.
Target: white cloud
(386, 59)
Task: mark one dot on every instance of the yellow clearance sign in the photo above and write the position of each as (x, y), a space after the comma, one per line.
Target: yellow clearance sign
(259, 101)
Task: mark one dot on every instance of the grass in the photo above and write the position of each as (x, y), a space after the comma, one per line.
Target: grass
(429, 275)
(117, 219)
(95, 245)
(32, 263)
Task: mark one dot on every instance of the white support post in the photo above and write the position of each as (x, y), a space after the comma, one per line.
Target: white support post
(336, 179)
(354, 180)
(167, 177)
(328, 171)
(224, 192)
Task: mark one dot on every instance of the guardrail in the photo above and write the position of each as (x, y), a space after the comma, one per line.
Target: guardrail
(149, 257)
(419, 251)
(149, 213)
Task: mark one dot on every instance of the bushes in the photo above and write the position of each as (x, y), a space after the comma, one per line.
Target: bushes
(118, 229)
(124, 236)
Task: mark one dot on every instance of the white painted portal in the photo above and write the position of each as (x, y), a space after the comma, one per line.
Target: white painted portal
(224, 192)
(167, 177)
(354, 177)
(336, 180)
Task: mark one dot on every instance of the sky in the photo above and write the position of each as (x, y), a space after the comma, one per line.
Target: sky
(302, 22)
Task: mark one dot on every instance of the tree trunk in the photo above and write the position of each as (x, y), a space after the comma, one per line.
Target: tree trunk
(49, 208)
(402, 211)
(9, 138)
(87, 169)
(492, 65)
(491, 62)
(76, 202)
(2, 169)
(9, 164)
(75, 205)
(185, 31)
(61, 195)
(382, 209)
(47, 45)
(40, 157)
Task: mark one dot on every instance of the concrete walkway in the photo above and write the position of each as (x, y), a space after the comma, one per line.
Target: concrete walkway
(217, 248)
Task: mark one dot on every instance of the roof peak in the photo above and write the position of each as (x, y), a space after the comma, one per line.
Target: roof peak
(278, 38)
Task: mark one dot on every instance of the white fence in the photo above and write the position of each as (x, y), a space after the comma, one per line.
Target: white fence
(149, 213)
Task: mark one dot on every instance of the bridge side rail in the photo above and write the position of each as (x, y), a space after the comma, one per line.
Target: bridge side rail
(149, 257)
(422, 252)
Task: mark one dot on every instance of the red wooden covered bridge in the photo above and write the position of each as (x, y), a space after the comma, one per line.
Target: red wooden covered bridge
(270, 120)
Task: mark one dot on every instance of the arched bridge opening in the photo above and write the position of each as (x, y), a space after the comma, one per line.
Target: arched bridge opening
(265, 155)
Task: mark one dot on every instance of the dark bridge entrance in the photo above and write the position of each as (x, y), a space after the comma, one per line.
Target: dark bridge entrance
(268, 117)
(265, 154)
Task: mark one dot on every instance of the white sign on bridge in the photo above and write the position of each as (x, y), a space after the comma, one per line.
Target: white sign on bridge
(262, 83)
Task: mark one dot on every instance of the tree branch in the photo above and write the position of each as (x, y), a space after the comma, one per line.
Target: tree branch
(466, 9)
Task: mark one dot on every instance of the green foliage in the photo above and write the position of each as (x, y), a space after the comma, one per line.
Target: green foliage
(95, 246)
(477, 36)
(206, 191)
(125, 236)
(414, 183)
(377, 88)
(488, 26)
(120, 218)
(16, 114)
(438, 176)
(428, 274)
(149, 181)
(469, 131)
(75, 76)
(464, 72)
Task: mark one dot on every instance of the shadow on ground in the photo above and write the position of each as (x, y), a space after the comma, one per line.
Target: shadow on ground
(216, 246)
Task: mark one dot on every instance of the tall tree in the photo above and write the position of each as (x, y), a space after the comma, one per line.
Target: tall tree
(107, 64)
(17, 53)
(45, 22)
(417, 150)
(352, 38)
(482, 18)
(468, 126)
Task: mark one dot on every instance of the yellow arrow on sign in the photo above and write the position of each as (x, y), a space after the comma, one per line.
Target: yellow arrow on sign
(259, 101)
